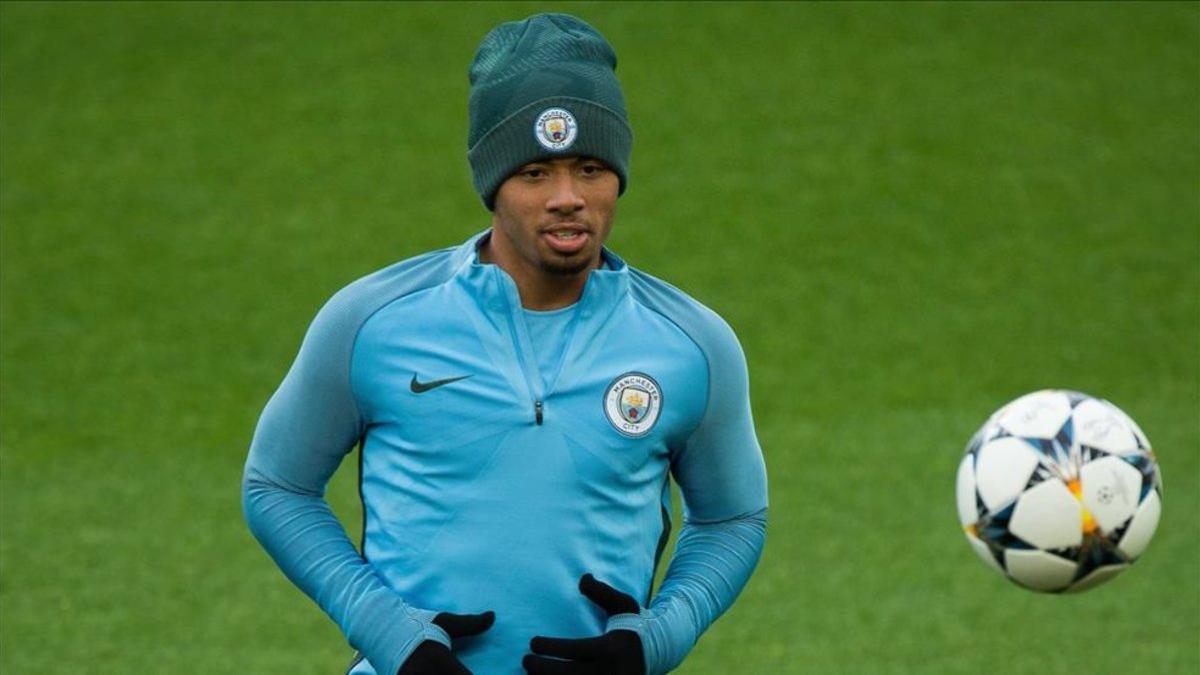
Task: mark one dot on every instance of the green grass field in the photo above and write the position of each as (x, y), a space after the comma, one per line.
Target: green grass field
(911, 214)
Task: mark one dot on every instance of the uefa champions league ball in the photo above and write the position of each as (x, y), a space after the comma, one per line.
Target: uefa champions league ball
(1059, 491)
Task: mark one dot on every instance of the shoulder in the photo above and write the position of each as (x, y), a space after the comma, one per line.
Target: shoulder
(704, 327)
(348, 309)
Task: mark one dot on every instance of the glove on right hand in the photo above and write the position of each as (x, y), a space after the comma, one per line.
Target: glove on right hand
(434, 658)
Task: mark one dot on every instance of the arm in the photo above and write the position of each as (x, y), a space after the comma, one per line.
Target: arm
(308, 426)
(711, 564)
(723, 481)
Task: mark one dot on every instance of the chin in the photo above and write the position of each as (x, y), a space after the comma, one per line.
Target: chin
(567, 266)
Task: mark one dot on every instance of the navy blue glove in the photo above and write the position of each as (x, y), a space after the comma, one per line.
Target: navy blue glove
(617, 652)
(435, 658)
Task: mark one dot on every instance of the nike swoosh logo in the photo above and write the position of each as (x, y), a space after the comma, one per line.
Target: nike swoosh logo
(422, 387)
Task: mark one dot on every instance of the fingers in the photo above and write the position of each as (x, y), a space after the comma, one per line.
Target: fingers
(608, 598)
(617, 652)
(462, 625)
(540, 665)
(582, 649)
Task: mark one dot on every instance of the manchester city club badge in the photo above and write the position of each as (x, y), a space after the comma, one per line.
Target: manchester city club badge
(555, 129)
(632, 403)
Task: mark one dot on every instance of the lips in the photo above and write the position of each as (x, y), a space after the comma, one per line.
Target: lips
(566, 239)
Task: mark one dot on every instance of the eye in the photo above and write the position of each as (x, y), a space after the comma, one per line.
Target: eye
(532, 172)
(593, 169)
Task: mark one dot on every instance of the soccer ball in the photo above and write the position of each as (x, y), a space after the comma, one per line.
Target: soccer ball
(1059, 491)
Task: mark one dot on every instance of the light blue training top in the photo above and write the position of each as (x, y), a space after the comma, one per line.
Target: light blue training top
(493, 478)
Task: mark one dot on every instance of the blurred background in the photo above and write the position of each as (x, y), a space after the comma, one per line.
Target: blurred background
(910, 213)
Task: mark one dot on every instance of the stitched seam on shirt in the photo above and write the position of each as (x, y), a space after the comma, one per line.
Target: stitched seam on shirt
(704, 354)
(358, 332)
(749, 516)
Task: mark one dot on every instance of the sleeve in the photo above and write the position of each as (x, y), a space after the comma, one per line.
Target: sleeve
(307, 427)
(722, 477)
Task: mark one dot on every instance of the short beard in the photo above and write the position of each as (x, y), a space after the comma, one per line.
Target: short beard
(564, 269)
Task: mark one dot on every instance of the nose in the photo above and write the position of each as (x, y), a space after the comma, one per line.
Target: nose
(565, 196)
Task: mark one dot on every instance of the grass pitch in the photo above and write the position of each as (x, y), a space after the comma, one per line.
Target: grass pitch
(911, 214)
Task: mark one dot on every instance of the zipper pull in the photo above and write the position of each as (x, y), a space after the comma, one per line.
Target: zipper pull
(537, 409)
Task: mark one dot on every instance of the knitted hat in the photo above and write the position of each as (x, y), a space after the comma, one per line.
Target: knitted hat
(543, 88)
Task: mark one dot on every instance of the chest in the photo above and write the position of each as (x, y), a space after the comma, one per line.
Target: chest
(627, 385)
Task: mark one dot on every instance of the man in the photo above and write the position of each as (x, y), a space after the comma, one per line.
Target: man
(519, 402)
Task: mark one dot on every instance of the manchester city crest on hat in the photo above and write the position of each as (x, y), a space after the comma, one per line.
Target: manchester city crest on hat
(555, 129)
(632, 403)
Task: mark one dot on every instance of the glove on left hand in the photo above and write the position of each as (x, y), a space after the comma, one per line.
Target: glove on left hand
(617, 652)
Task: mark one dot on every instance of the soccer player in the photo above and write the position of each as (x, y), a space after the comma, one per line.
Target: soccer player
(519, 402)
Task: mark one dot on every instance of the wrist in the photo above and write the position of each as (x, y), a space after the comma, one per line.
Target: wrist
(403, 636)
(667, 632)
(630, 622)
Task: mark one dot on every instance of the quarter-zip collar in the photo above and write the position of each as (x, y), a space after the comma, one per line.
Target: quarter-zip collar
(604, 288)
(501, 323)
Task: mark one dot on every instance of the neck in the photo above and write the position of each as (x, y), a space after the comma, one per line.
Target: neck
(540, 290)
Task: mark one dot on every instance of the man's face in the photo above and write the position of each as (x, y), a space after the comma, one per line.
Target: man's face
(553, 216)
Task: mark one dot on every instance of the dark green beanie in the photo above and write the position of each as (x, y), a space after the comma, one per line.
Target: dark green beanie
(543, 88)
